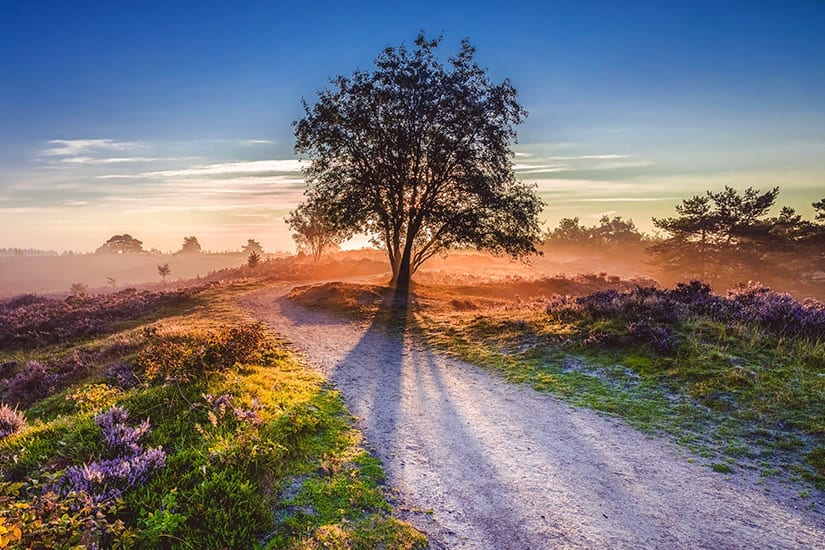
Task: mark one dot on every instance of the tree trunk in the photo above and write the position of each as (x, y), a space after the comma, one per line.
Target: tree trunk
(402, 272)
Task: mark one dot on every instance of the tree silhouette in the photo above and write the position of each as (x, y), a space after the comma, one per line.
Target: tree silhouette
(313, 229)
(164, 270)
(121, 244)
(253, 259)
(723, 231)
(417, 155)
(252, 246)
(190, 245)
(819, 207)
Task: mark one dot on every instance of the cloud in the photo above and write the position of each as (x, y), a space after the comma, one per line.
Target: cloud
(75, 147)
(260, 142)
(114, 160)
(589, 157)
(248, 167)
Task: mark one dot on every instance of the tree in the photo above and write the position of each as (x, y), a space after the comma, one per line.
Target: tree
(819, 207)
(190, 245)
(252, 246)
(569, 231)
(721, 231)
(164, 270)
(253, 259)
(417, 155)
(314, 230)
(121, 244)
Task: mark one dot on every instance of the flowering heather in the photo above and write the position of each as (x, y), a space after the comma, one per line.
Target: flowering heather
(773, 312)
(36, 380)
(28, 320)
(106, 479)
(11, 420)
(122, 375)
(118, 435)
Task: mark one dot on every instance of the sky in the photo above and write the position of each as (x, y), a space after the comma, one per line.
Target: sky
(168, 119)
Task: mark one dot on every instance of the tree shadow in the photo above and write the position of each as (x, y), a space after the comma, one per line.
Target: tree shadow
(464, 447)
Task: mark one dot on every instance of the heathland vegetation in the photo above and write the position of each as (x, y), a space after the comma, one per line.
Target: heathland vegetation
(168, 419)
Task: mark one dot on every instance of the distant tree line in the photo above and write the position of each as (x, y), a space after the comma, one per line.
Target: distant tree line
(127, 244)
(725, 236)
(26, 252)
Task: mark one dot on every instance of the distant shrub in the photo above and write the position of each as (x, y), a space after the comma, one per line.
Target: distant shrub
(11, 420)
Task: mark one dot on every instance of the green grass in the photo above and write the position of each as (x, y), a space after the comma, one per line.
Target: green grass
(726, 393)
(296, 477)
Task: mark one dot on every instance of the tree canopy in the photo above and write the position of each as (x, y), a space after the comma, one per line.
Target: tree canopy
(416, 153)
(313, 229)
(121, 244)
(252, 246)
(190, 245)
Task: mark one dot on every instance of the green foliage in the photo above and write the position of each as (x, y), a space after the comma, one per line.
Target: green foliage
(240, 419)
(721, 235)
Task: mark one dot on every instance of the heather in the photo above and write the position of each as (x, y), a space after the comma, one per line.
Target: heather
(31, 320)
(195, 428)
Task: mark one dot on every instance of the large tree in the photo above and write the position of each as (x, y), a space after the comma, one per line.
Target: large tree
(416, 153)
(121, 244)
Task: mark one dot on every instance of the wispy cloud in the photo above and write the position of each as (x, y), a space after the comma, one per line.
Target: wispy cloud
(260, 142)
(92, 161)
(248, 167)
(75, 147)
(588, 157)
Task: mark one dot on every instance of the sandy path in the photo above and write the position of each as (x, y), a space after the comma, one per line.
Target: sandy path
(502, 466)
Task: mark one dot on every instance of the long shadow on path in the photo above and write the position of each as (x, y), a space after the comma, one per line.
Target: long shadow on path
(501, 466)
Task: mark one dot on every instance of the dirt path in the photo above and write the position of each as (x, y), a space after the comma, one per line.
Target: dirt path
(480, 463)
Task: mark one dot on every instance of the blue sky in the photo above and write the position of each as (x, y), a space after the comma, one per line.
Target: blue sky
(166, 119)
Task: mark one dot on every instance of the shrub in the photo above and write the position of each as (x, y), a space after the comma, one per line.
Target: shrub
(11, 420)
(189, 356)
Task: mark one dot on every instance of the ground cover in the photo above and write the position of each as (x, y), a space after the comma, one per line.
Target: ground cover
(737, 378)
(187, 428)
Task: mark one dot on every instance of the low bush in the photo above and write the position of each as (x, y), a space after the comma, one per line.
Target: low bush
(186, 356)
(11, 420)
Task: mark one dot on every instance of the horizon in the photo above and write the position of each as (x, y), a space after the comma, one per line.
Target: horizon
(169, 121)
